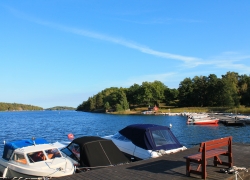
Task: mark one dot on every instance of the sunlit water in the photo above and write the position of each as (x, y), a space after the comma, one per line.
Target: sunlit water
(56, 125)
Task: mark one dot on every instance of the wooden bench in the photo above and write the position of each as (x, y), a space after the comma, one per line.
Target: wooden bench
(209, 149)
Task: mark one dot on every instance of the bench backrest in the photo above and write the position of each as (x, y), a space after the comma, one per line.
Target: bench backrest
(216, 143)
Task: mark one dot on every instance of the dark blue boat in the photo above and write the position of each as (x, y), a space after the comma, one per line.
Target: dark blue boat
(143, 141)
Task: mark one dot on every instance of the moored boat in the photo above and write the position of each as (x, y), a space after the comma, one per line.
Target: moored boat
(206, 121)
(34, 158)
(145, 141)
(203, 121)
(92, 152)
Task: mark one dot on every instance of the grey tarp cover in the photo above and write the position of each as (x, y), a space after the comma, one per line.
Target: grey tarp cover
(97, 151)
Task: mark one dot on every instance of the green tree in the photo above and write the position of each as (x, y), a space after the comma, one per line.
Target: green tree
(171, 95)
(199, 93)
(152, 93)
(107, 106)
(133, 94)
(230, 89)
(213, 90)
(185, 92)
(244, 89)
(99, 101)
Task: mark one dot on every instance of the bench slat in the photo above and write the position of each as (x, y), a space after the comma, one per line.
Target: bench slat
(210, 153)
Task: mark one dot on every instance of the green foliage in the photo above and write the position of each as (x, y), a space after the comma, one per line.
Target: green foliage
(231, 90)
(111, 99)
(56, 108)
(186, 92)
(107, 106)
(18, 107)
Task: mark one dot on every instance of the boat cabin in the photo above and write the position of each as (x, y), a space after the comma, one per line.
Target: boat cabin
(28, 151)
(151, 136)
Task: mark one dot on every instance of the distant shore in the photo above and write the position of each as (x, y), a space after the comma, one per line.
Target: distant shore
(174, 110)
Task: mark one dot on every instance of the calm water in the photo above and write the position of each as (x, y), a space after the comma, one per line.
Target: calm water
(56, 125)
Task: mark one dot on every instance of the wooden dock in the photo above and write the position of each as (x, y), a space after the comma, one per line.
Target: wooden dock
(230, 121)
(168, 167)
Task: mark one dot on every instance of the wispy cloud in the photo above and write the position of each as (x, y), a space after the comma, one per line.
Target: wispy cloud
(171, 21)
(231, 61)
(123, 42)
(116, 40)
(228, 60)
(158, 20)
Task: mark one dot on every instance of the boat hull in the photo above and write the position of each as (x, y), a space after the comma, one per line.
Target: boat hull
(11, 174)
(57, 167)
(204, 122)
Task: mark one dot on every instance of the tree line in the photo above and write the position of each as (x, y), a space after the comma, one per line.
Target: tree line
(231, 90)
(57, 108)
(18, 107)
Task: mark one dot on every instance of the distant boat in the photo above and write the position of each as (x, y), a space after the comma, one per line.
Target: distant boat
(203, 121)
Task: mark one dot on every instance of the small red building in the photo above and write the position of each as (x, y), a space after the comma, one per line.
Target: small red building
(155, 108)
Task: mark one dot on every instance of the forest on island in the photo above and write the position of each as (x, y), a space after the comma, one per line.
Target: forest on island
(18, 107)
(62, 108)
(230, 90)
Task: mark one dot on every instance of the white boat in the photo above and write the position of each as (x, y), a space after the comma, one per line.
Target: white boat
(203, 121)
(34, 158)
(145, 141)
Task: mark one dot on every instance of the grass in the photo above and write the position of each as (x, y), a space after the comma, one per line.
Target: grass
(171, 109)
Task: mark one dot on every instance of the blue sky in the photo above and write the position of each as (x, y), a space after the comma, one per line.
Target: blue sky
(60, 52)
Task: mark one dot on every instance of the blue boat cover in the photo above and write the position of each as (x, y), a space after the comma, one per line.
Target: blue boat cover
(151, 136)
(11, 146)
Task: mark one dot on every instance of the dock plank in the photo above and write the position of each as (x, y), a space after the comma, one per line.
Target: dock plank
(171, 166)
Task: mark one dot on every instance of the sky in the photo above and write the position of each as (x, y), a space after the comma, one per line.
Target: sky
(61, 52)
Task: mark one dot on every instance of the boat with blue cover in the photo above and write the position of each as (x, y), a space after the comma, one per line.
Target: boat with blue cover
(34, 158)
(144, 141)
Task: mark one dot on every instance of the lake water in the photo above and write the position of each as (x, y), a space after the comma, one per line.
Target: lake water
(56, 125)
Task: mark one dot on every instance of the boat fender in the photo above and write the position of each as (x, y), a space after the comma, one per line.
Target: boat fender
(71, 136)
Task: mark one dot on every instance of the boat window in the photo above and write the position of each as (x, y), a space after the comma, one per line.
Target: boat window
(123, 138)
(120, 137)
(8, 154)
(75, 148)
(36, 156)
(19, 158)
(69, 153)
(116, 135)
(162, 137)
(53, 153)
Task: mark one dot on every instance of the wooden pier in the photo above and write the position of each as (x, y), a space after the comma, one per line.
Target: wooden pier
(231, 121)
(172, 166)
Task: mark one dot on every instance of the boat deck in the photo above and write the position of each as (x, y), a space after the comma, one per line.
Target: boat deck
(171, 166)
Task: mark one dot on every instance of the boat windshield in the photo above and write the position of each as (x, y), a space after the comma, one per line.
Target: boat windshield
(73, 151)
(120, 137)
(53, 153)
(162, 137)
(36, 156)
(75, 148)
